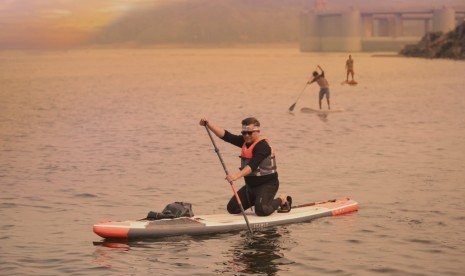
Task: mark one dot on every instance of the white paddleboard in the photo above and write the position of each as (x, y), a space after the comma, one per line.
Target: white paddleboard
(220, 223)
(352, 82)
(311, 110)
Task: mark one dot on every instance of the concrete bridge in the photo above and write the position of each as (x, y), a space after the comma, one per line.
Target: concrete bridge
(385, 30)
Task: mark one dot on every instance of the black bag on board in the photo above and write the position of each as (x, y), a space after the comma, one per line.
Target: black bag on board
(172, 210)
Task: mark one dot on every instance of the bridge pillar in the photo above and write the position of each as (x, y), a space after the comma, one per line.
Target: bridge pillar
(367, 26)
(443, 20)
(310, 37)
(351, 23)
(398, 25)
(428, 26)
(383, 27)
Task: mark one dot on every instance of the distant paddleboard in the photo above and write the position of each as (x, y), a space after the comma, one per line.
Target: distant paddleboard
(311, 110)
(352, 82)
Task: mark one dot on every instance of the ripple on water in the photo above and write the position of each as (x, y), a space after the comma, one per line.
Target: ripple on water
(85, 195)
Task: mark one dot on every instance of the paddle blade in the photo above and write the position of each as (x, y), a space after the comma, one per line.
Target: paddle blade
(291, 108)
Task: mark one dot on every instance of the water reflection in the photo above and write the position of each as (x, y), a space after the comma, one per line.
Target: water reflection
(115, 244)
(323, 117)
(257, 254)
(105, 250)
(261, 253)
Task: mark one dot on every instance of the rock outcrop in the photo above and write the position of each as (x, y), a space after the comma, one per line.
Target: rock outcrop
(439, 45)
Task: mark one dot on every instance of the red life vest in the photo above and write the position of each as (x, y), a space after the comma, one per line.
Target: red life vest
(267, 166)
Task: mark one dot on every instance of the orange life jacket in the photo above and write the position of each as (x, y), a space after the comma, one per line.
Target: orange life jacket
(267, 166)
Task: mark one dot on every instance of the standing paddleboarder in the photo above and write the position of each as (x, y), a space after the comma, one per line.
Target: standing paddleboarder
(323, 83)
(350, 68)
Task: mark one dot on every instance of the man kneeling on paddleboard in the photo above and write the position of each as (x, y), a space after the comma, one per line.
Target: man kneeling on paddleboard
(258, 167)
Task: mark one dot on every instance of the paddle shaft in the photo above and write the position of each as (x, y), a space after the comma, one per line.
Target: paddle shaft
(293, 105)
(230, 182)
(313, 203)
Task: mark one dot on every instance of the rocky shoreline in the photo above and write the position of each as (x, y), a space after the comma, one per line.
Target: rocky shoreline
(449, 45)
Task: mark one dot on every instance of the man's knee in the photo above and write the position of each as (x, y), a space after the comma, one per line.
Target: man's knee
(233, 208)
(263, 211)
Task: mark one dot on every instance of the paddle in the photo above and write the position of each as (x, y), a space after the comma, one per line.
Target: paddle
(230, 182)
(313, 203)
(291, 108)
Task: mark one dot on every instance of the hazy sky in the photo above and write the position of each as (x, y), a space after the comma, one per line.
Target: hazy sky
(62, 23)
(43, 23)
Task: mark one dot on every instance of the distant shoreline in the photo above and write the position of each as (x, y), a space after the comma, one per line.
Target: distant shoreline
(194, 46)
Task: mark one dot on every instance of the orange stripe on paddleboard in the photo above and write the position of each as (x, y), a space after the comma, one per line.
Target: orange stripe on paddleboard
(345, 210)
(111, 232)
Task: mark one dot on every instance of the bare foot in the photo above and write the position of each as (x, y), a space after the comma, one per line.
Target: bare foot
(283, 199)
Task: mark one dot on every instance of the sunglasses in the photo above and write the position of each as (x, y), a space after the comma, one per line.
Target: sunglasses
(247, 132)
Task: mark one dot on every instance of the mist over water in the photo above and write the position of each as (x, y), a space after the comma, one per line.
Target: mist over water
(112, 134)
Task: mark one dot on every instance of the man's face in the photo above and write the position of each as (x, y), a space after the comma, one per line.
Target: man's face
(250, 133)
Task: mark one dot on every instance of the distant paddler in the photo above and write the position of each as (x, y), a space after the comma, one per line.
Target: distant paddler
(349, 68)
(323, 83)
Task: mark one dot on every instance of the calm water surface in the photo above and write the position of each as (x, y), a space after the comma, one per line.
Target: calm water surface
(112, 134)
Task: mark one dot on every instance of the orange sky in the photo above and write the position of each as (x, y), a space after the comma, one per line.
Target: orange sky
(57, 23)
